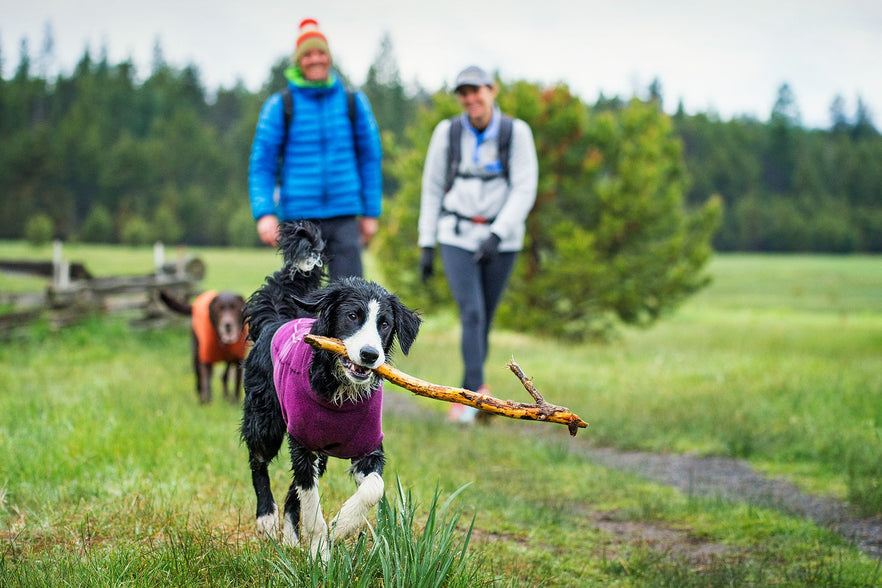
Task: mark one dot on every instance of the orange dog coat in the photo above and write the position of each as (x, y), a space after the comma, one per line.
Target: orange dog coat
(211, 350)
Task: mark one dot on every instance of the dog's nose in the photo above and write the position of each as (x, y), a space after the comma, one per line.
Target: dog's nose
(369, 355)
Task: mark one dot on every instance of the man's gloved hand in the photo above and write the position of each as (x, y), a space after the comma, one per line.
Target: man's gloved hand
(487, 250)
(427, 263)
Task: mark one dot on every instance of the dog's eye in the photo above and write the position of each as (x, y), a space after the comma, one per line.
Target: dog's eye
(353, 316)
(384, 325)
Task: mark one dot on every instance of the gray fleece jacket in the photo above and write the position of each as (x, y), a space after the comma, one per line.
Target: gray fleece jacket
(478, 190)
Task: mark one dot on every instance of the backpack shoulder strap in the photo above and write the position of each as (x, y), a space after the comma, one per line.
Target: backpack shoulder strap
(288, 109)
(288, 115)
(350, 103)
(454, 151)
(288, 104)
(353, 115)
(503, 143)
(454, 147)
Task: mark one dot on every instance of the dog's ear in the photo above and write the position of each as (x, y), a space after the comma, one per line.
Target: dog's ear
(240, 302)
(407, 324)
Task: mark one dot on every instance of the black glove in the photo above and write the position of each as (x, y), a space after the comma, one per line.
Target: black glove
(427, 260)
(487, 250)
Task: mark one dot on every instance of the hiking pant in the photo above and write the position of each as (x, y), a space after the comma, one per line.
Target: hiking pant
(477, 289)
(342, 245)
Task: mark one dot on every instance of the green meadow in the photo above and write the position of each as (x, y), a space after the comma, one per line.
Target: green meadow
(112, 474)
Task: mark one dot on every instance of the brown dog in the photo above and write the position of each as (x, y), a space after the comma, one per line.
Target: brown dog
(218, 337)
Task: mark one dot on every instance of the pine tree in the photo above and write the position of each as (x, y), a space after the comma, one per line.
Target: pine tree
(609, 239)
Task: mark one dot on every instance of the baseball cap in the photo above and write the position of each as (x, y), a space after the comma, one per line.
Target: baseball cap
(472, 76)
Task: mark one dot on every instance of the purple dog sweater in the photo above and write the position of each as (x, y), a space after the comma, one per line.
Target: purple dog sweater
(350, 430)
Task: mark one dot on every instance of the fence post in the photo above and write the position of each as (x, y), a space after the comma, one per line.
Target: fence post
(60, 268)
(158, 258)
(179, 263)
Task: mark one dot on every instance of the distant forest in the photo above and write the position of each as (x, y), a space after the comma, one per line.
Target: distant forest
(103, 154)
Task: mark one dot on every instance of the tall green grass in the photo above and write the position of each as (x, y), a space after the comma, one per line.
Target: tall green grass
(399, 552)
(111, 473)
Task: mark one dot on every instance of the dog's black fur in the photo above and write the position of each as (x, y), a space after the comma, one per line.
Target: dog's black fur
(342, 308)
(302, 249)
(225, 312)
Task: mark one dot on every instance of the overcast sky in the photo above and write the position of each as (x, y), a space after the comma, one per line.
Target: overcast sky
(727, 58)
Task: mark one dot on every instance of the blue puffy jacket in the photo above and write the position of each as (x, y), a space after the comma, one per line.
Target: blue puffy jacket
(327, 172)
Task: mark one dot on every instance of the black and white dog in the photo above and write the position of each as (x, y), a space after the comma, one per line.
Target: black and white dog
(326, 404)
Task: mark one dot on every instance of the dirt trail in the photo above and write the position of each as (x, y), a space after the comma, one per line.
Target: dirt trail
(735, 481)
(721, 477)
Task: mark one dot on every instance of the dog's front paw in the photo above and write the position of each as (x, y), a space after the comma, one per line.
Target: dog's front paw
(354, 511)
(320, 547)
(289, 533)
(318, 540)
(268, 524)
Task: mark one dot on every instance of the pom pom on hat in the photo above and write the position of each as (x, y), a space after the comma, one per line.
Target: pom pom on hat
(310, 37)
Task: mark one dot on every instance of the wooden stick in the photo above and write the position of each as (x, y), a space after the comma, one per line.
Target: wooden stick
(540, 411)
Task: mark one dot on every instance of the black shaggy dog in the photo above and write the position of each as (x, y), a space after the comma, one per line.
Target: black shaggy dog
(324, 403)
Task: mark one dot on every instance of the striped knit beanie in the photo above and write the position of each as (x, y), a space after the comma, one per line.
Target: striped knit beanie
(310, 38)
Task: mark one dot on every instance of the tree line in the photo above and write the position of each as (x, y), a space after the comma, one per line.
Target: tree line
(785, 187)
(100, 155)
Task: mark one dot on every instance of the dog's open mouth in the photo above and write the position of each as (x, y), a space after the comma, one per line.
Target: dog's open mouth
(358, 373)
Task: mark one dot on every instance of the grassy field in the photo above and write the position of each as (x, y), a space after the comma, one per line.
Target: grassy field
(112, 474)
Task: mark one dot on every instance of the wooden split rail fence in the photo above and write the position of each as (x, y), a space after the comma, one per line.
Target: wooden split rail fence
(73, 292)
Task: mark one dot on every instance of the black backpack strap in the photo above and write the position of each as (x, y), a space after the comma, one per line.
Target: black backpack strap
(503, 143)
(288, 105)
(350, 103)
(353, 114)
(288, 115)
(454, 152)
(454, 147)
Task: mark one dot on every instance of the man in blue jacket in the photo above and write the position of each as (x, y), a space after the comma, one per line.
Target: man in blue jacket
(330, 158)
